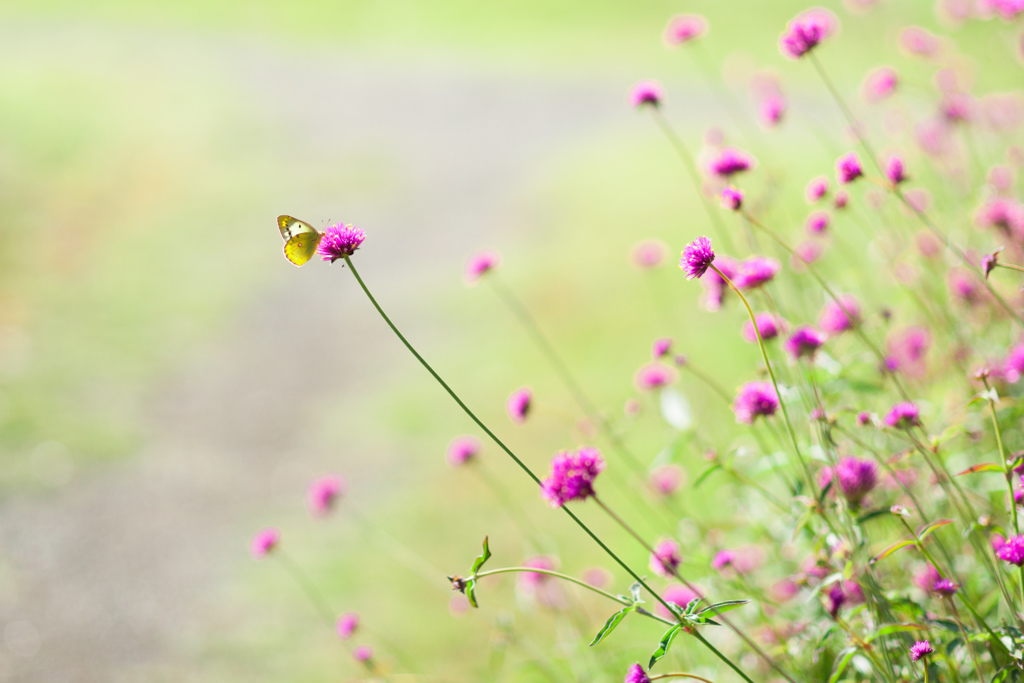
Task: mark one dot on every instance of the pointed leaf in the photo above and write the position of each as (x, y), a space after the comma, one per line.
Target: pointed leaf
(925, 531)
(983, 467)
(664, 645)
(722, 607)
(871, 514)
(471, 592)
(634, 592)
(610, 625)
(842, 661)
(893, 548)
(483, 557)
(706, 473)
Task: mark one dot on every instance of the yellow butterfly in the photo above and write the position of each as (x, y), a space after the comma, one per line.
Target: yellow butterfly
(300, 239)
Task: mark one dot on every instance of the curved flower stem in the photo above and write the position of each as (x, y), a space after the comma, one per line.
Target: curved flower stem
(522, 465)
(832, 295)
(306, 585)
(680, 675)
(683, 152)
(1009, 266)
(771, 374)
(675, 572)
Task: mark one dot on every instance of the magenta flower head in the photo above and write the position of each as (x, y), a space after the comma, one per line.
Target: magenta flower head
(767, 324)
(921, 648)
(1012, 551)
(856, 478)
(903, 416)
(879, 84)
(654, 376)
(667, 479)
(649, 254)
(572, 476)
(677, 595)
(661, 348)
(323, 493)
(684, 28)
(754, 400)
(480, 264)
(518, 405)
(347, 625)
(722, 559)
(772, 109)
(666, 558)
(863, 418)
(989, 262)
(756, 271)
(806, 32)
(264, 542)
(732, 199)
(339, 241)
(817, 222)
(841, 200)
(816, 189)
(894, 170)
(945, 587)
(839, 316)
(462, 449)
(848, 168)
(530, 580)
(714, 286)
(1006, 215)
(804, 341)
(729, 162)
(645, 93)
(363, 654)
(636, 675)
(697, 257)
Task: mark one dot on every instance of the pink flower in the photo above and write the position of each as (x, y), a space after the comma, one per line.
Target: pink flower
(667, 479)
(879, 84)
(697, 257)
(957, 107)
(817, 222)
(856, 478)
(729, 162)
(840, 316)
(462, 449)
(665, 559)
(339, 241)
(518, 405)
(919, 42)
(1006, 215)
(754, 400)
(894, 170)
(804, 341)
(572, 476)
(684, 28)
(347, 625)
(645, 93)
(530, 580)
(323, 492)
(808, 251)
(714, 286)
(480, 264)
(1013, 365)
(841, 200)
(771, 109)
(807, 31)
(677, 595)
(732, 199)
(907, 349)
(654, 376)
(264, 542)
(963, 286)
(816, 189)
(767, 324)
(661, 348)
(903, 416)
(848, 168)
(636, 674)
(756, 271)
(363, 654)
(649, 254)
(921, 648)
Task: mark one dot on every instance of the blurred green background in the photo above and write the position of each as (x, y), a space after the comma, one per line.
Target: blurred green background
(169, 384)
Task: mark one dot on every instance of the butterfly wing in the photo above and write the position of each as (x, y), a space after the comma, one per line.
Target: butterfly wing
(300, 239)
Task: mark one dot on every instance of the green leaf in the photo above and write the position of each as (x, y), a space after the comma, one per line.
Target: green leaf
(891, 549)
(895, 628)
(722, 607)
(471, 592)
(824, 491)
(483, 557)
(706, 473)
(842, 661)
(612, 622)
(871, 514)
(983, 467)
(634, 592)
(925, 531)
(664, 645)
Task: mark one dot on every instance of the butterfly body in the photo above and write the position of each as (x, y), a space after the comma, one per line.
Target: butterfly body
(300, 239)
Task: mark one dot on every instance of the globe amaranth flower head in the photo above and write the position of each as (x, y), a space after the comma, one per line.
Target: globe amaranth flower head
(767, 324)
(816, 189)
(894, 171)
(729, 162)
(572, 476)
(1002, 213)
(649, 254)
(732, 199)
(264, 542)
(661, 347)
(842, 198)
(817, 222)
(772, 109)
(667, 479)
(346, 625)
(945, 587)
(363, 654)
(921, 648)
(697, 257)
(636, 674)
(903, 416)
(1012, 551)
(756, 271)
(856, 478)
(666, 558)
(839, 316)
(754, 400)
(480, 264)
(879, 84)
(518, 405)
(462, 449)
(804, 341)
(807, 31)
(685, 27)
(339, 241)
(323, 493)
(848, 168)
(645, 93)
(654, 376)
(989, 262)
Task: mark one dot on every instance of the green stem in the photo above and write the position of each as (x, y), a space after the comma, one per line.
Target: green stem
(679, 675)
(1010, 266)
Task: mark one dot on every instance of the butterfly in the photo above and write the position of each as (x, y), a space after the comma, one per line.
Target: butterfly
(300, 239)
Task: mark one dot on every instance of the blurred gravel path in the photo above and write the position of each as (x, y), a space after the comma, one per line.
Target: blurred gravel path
(104, 579)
